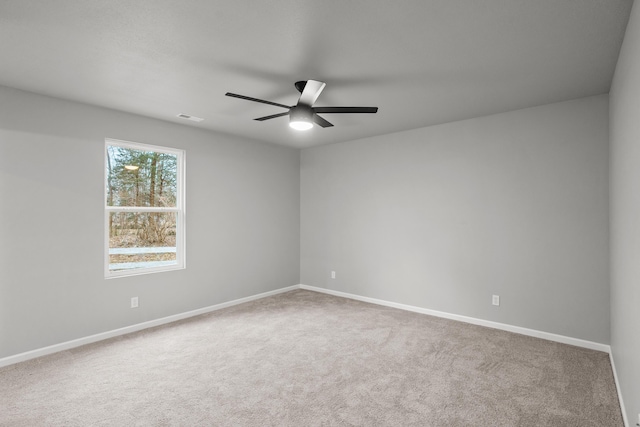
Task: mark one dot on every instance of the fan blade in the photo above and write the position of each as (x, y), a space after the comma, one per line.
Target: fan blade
(321, 122)
(273, 116)
(311, 92)
(345, 109)
(248, 98)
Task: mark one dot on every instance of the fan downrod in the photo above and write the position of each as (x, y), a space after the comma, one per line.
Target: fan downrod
(300, 85)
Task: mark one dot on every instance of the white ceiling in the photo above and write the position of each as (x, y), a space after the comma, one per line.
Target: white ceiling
(421, 62)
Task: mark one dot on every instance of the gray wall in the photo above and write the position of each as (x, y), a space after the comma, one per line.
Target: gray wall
(242, 222)
(625, 217)
(514, 204)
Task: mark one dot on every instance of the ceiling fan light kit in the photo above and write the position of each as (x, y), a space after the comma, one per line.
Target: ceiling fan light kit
(303, 115)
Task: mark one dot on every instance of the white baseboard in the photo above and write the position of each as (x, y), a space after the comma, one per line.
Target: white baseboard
(152, 323)
(615, 378)
(21, 357)
(145, 325)
(480, 322)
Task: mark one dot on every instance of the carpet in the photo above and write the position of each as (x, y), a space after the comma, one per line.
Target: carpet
(304, 358)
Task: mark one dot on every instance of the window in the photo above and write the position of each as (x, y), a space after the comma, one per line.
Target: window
(144, 208)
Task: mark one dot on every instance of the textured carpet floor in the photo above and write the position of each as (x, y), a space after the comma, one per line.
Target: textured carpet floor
(307, 359)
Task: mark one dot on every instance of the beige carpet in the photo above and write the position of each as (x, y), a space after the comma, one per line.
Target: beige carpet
(307, 359)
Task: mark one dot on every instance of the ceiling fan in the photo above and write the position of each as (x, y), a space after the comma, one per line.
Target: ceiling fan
(304, 114)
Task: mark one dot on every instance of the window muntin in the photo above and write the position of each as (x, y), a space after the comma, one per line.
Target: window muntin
(144, 208)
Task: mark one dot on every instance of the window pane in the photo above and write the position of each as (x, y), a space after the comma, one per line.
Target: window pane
(141, 178)
(141, 240)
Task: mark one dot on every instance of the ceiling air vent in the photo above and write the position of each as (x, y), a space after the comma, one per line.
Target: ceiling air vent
(188, 117)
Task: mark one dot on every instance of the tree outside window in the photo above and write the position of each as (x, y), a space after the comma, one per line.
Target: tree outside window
(144, 208)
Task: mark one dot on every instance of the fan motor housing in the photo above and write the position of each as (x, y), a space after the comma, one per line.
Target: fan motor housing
(301, 113)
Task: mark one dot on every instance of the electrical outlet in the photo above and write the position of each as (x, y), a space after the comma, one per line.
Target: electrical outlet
(496, 300)
(333, 274)
(134, 302)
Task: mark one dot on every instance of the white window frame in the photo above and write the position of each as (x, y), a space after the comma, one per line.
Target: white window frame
(179, 209)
